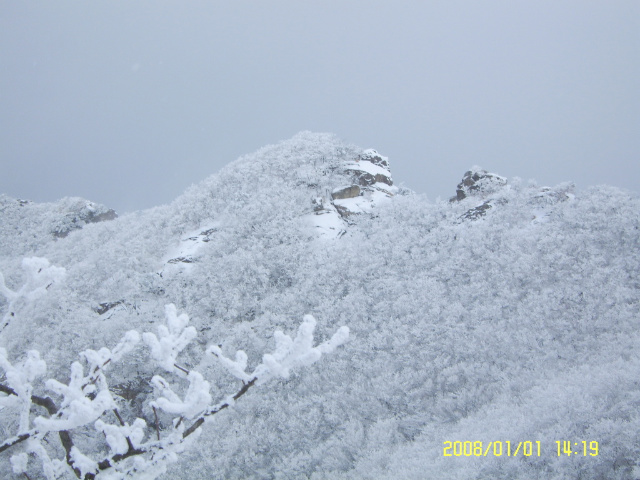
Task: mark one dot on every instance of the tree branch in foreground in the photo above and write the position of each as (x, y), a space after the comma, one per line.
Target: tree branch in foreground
(85, 400)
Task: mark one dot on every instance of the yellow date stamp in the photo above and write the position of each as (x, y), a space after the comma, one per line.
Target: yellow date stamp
(526, 448)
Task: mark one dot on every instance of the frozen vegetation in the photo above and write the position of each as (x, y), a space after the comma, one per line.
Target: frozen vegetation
(510, 313)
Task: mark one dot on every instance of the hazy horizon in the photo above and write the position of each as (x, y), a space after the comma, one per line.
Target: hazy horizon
(129, 104)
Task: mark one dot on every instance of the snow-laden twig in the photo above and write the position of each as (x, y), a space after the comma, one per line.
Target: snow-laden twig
(173, 339)
(80, 406)
(289, 354)
(195, 401)
(121, 438)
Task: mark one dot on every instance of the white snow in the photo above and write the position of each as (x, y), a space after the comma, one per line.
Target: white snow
(327, 223)
(189, 246)
(236, 368)
(368, 167)
(540, 216)
(82, 462)
(19, 462)
(370, 152)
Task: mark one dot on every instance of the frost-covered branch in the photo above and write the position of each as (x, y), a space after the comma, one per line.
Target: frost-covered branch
(87, 400)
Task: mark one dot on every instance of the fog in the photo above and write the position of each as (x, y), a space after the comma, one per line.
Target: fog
(128, 103)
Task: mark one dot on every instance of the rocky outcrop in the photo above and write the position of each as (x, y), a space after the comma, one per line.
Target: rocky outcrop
(550, 196)
(370, 168)
(370, 155)
(481, 185)
(478, 183)
(370, 183)
(477, 212)
(343, 211)
(366, 179)
(345, 192)
(77, 213)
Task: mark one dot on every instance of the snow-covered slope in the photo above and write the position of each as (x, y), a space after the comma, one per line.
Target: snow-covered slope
(509, 313)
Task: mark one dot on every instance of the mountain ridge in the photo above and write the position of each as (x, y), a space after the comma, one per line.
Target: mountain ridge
(462, 320)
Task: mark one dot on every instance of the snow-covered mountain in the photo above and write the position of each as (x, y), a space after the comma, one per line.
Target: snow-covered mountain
(509, 313)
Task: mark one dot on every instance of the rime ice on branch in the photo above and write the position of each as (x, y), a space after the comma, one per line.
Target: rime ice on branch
(87, 400)
(289, 353)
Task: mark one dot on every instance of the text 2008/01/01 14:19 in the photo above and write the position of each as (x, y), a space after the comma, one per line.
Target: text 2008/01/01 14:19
(507, 448)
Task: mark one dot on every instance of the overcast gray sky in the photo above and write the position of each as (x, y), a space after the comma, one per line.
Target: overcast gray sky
(127, 103)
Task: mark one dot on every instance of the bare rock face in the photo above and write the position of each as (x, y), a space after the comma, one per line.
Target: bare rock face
(106, 306)
(370, 168)
(478, 183)
(367, 179)
(345, 192)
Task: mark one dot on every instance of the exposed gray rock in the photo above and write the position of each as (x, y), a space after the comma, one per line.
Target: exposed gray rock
(345, 192)
(364, 176)
(204, 236)
(478, 182)
(181, 260)
(105, 307)
(366, 179)
(384, 179)
(477, 212)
